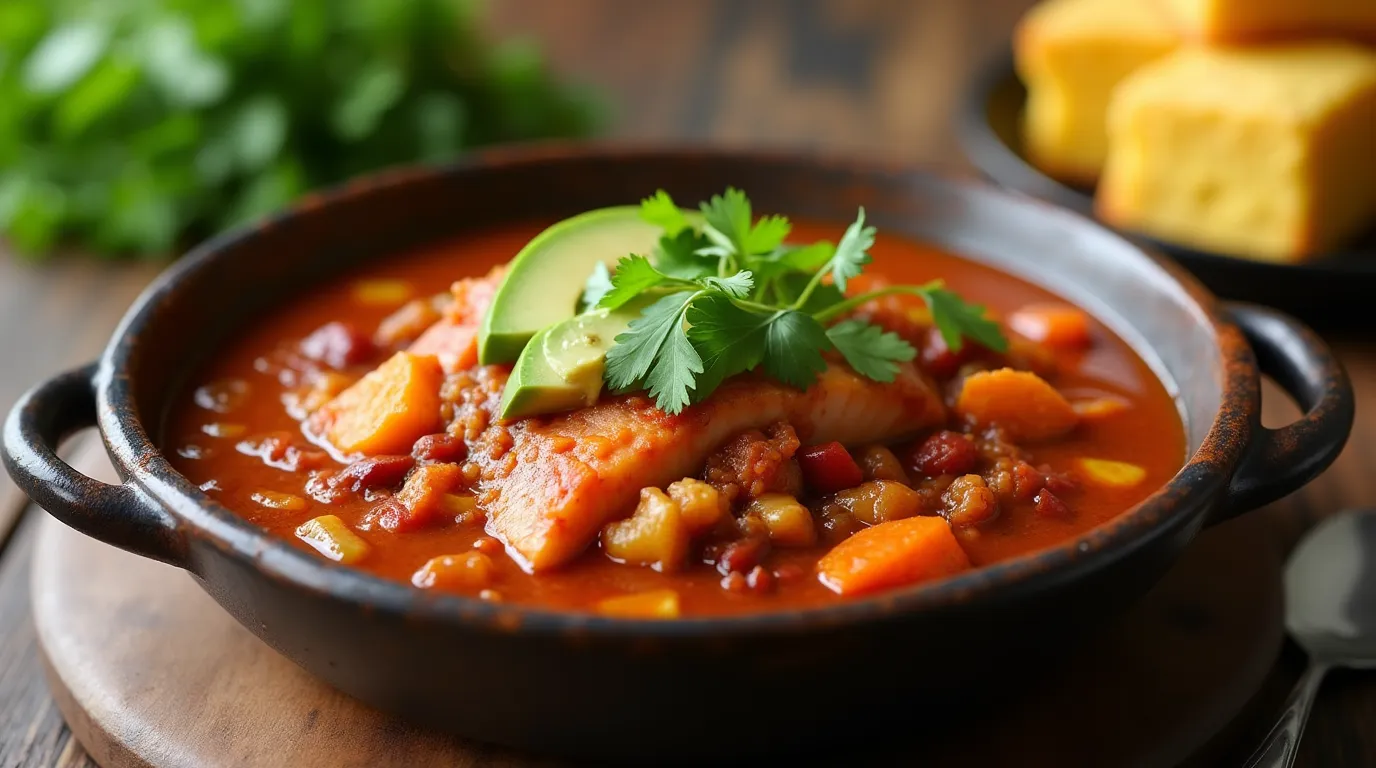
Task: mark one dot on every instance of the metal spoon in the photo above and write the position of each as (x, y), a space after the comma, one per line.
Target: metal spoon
(1330, 610)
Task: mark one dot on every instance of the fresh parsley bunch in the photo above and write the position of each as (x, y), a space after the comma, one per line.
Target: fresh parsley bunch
(733, 296)
(127, 125)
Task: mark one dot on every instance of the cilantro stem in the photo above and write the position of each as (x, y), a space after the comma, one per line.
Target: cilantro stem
(835, 310)
(811, 286)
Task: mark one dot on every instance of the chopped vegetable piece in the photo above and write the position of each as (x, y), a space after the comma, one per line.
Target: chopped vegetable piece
(461, 506)
(880, 463)
(658, 604)
(944, 453)
(387, 410)
(878, 501)
(1100, 407)
(425, 494)
(1022, 403)
(828, 468)
(655, 535)
(893, 554)
(1050, 505)
(467, 572)
(276, 500)
(329, 536)
(1056, 325)
(1114, 474)
(700, 505)
(789, 523)
(382, 293)
(454, 344)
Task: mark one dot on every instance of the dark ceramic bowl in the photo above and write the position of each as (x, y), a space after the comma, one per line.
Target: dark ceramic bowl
(1333, 290)
(696, 688)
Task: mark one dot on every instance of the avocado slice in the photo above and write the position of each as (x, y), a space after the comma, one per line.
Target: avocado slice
(561, 368)
(544, 281)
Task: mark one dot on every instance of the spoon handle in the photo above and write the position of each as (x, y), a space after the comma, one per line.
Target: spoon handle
(1280, 746)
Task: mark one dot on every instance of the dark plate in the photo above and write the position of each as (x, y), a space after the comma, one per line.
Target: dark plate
(1329, 291)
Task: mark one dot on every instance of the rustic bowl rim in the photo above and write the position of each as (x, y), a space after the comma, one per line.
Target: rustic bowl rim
(1180, 501)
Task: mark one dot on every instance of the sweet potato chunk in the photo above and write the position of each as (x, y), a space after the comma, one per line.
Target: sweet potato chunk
(658, 604)
(1022, 403)
(893, 554)
(387, 410)
(655, 535)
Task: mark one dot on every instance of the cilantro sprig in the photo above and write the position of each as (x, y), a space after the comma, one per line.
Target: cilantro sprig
(733, 296)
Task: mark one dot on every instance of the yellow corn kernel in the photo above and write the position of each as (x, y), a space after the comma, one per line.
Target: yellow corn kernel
(788, 522)
(1100, 407)
(382, 293)
(218, 429)
(655, 535)
(467, 572)
(700, 505)
(658, 604)
(277, 500)
(329, 536)
(1115, 474)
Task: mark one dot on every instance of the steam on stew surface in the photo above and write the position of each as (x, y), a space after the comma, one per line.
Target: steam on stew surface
(653, 412)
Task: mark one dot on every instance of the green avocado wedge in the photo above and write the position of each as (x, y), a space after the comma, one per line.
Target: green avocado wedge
(545, 279)
(561, 368)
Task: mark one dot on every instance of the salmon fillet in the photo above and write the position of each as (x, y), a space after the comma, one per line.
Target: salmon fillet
(549, 484)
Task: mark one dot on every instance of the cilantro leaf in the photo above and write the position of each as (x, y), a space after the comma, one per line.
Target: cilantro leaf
(873, 352)
(956, 319)
(794, 343)
(736, 286)
(678, 256)
(598, 284)
(767, 235)
(646, 345)
(730, 340)
(634, 275)
(852, 253)
(729, 214)
(674, 372)
(807, 258)
(660, 210)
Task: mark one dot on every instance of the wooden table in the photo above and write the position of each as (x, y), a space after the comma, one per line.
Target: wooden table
(875, 78)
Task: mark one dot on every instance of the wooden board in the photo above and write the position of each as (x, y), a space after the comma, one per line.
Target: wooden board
(148, 670)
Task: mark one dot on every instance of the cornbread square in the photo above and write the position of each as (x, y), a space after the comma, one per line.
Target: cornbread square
(1268, 152)
(1071, 54)
(1236, 21)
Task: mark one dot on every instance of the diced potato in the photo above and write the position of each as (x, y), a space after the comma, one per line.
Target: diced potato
(466, 572)
(655, 535)
(1100, 407)
(387, 410)
(426, 491)
(789, 523)
(700, 505)
(658, 604)
(893, 554)
(329, 536)
(1114, 474)
(880, 463)
(1022, 403)
(1056, 325)
(278, 500)
(382, 293)
(459, 504)
(220, 429)
(879, 501)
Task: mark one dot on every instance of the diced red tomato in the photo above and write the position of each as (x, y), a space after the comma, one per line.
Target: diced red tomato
(829, 468)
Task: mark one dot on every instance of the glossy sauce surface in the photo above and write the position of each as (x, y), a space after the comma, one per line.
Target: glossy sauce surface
(1148, 434)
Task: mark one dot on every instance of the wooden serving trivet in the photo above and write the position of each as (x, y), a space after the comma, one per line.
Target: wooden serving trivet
(148, 670)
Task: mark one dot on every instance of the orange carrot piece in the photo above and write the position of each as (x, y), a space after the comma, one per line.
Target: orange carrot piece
(387, 410)
(425, 490)
(1056, 325)
(1021, 402)
(893, 554)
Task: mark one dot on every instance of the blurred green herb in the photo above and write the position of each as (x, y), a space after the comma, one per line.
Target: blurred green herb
(127, 125)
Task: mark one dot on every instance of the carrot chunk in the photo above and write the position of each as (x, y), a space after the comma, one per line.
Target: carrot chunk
(1056, 325)
(658, 604)
(893, 554)
(1020, 402)
(425, 494)
(387, 410)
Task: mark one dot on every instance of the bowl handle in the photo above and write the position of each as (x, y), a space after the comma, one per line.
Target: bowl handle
(1282, 460)
(122, 515)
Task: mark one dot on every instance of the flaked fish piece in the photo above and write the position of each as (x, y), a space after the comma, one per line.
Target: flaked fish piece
(549, 484)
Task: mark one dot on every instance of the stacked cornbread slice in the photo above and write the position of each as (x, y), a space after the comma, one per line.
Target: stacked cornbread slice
(1266, 151)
